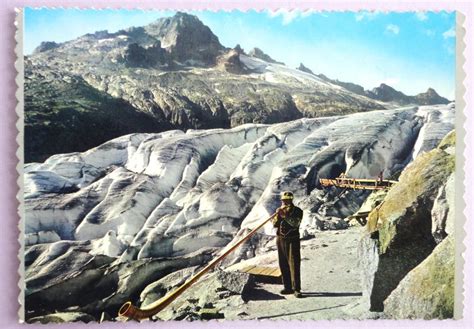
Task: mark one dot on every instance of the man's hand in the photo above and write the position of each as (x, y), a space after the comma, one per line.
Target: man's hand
(283, 211)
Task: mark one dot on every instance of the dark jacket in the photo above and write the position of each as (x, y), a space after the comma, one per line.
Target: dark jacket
(287, 220)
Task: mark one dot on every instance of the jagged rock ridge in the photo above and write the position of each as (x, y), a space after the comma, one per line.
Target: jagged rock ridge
(176, 72)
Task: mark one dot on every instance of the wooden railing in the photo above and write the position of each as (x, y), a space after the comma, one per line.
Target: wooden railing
(357, 183)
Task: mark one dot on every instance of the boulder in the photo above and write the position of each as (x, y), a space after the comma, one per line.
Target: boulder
(217, 289)
(235, 282)
(443, 213)
(331, 223)
(427, 292)
(399, 233)
(158, 289)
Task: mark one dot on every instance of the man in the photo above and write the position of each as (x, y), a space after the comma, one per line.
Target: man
(287, 220)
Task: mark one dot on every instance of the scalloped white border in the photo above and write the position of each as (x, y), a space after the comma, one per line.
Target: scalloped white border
(460, 205)
(19, 66)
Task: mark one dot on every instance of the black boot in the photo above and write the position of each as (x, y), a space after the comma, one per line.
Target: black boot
(286, 291)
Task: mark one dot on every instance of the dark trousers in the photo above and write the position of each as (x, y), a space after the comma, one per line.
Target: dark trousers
(289, 259)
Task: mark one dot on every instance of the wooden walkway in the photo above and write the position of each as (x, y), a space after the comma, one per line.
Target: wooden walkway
(273, 272)
(356, 183)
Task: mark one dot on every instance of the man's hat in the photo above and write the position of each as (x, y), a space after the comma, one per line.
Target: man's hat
(286, 195)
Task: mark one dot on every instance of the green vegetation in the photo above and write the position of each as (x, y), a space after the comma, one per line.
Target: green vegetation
(430, 287)
(414, 191)
(64, 116)
(407, 202)
(448, 140)
(414, 276)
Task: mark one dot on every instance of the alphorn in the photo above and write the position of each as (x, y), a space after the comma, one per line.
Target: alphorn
(132, 312)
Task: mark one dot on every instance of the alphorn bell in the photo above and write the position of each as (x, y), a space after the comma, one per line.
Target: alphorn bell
(132, 312)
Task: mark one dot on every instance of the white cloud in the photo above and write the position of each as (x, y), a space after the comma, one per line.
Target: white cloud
(289, 16)
(368, 15)
(392, 28)
(449, 48)
(421, 16)
(429, 32)
(451, 33)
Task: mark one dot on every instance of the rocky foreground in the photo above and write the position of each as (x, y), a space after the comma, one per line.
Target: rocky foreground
(113, 223)
(409, 246)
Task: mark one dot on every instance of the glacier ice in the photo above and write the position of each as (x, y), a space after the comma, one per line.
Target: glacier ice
(168, 196)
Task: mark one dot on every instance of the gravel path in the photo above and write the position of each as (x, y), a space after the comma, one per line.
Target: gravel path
(330, 283)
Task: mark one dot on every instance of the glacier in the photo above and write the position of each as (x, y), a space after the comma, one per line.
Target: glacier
(168, 201)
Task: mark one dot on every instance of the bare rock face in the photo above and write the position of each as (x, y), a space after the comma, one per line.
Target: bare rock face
(386, 93)
(170, 74)
(138, 56)
(400, 234)
(443, 211)
(304, 69)
(427, 292)
(258, 53)
(204, 300)
(185, 37)
(158, 289)
(430, 97)
(45, 46)
(230, 62)
(234, 282)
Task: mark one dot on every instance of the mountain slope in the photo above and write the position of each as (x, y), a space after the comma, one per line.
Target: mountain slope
(177, 73)
(61, 110)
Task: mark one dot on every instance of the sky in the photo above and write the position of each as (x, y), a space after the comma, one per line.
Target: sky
(409, 51)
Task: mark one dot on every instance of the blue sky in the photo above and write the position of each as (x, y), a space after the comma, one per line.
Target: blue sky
(409, 51)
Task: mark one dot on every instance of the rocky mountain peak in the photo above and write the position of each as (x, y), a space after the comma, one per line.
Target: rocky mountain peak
(103, 34)
(239, 49)
(186, 37)
(258, 53)
(45, 46)
(304, 69)
(386, 93)
(430, 97)
(384, 86)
